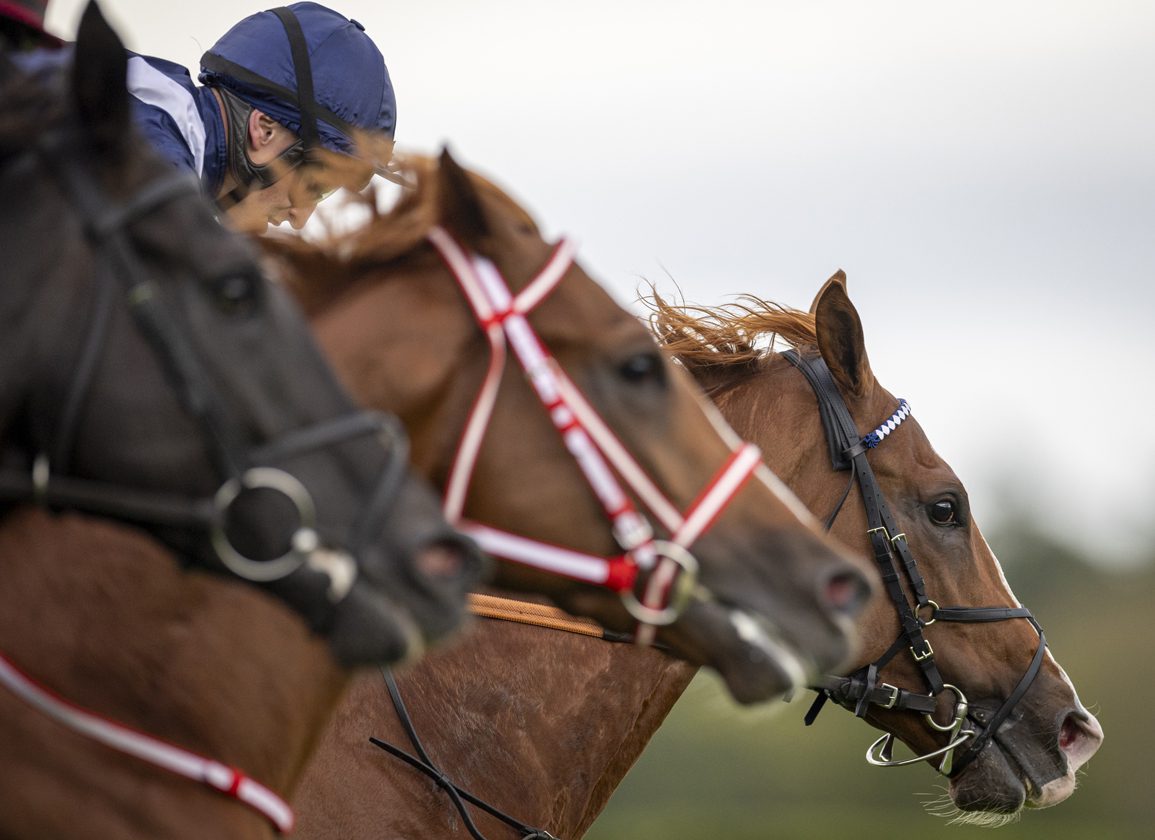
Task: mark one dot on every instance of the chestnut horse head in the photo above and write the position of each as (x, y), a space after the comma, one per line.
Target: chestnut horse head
(953, 665)
(453, 312)
(151, 374)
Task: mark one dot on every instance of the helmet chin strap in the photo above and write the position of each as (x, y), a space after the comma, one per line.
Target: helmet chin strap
(237, 116)
(248, 175)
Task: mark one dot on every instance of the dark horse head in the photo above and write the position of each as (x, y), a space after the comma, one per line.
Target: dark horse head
(151, 373)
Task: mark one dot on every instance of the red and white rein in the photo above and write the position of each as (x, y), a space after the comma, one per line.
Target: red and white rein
(598, 452)
(227, 780)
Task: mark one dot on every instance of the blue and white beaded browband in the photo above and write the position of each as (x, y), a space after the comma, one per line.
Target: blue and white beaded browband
(875, 438)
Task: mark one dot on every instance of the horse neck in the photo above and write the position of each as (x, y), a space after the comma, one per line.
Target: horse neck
(206, 664)
(633, 667)
(539, 723)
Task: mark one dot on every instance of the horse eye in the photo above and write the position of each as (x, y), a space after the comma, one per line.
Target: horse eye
(237, 294)
(643, 367)
(943, 512)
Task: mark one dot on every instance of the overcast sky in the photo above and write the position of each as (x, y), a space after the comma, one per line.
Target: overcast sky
(984, 172)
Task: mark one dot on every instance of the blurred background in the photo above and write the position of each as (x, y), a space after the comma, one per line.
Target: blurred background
(983, 172)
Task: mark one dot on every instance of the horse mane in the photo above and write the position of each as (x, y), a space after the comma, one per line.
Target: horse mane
(727, 341)
(323, 268)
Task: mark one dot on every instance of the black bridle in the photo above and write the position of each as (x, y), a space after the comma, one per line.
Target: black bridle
(119, 276)
(862, 689)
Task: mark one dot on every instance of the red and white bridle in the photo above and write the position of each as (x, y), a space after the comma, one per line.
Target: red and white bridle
(598, 452)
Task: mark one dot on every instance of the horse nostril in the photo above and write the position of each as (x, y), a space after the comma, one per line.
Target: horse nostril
(440, 561)
(449, 559)
(1079, 737)
(1069, 734)
(846, 591)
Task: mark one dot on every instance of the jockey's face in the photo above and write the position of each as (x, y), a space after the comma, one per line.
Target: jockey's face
(295, 195)
(270, 206)
(283, 201)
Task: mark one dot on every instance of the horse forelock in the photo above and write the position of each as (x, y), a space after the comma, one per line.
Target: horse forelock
(730, 339)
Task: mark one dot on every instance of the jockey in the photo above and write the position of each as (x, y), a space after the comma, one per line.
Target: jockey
(296, 102)
(22, 25)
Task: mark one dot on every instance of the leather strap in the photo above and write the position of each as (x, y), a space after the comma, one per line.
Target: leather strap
(306, 99)
(458, 796)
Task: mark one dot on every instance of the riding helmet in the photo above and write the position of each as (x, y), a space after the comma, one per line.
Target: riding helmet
(309, 68)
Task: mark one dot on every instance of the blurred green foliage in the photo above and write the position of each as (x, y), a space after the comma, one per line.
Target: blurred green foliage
(717, 771)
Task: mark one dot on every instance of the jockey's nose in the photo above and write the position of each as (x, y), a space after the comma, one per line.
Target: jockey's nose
(299, 214)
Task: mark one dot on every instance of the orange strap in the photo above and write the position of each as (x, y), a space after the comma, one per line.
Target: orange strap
(537, 615)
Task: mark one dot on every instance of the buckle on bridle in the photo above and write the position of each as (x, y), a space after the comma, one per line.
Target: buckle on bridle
(893, 699)
(926, 653)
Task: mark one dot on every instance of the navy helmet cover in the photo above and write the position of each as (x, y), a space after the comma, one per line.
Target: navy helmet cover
(352, 89)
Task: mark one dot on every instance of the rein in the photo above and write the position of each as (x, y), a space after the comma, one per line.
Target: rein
(498, 609)
(227, 780)
(458, 796)
(672, 569)
(895, 561)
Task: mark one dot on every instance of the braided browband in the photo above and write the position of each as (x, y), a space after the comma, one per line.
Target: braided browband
(875, 438)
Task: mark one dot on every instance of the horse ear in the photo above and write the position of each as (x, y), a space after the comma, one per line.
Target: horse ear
(460, 205)
(840, 339)
(837, 277)
(100, 81)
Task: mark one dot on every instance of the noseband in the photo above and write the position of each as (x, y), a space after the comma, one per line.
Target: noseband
(672, 568)
(119, 275)
(860, 690)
